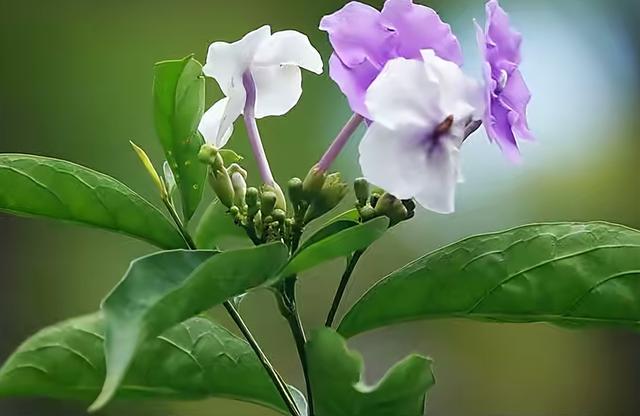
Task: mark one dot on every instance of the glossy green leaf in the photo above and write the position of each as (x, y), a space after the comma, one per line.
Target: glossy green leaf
(215, 225)
(194, 360)
(44, 187)
(179, 93)
(338, 388)
(338, 239)
(161, 290)
(569, 274)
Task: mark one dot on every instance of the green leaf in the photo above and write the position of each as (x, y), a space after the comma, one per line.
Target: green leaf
(338, 388)
(160, 290)
(179, 93)
(194, 360)
(229, 156)
(338, 239)
(216, 224)
(44, 187)
(569, 274)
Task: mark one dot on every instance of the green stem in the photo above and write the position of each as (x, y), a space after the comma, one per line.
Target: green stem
(237, 319)
(289, 310)
(344, 281)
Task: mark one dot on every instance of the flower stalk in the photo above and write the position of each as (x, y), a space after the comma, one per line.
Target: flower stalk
(339, 142)
(252, 130)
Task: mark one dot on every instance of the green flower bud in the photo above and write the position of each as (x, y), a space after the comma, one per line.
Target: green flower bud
(281, 201)
(239, 188)
(332, 192)
(367, 213)
(313, 183)
(391, 207)
(279, 215)
(252, 198)
(361, 186)
(268, 203)
(219, 178)
(295, 188)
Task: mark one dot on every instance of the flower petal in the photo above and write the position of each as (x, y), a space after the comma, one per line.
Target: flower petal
(357, 35)
(517, 95)
(210, 124)
(404, 95)
(289, 48)
(401, 163)
(278, 89)
(353, 82)
(226, 61)
(462, 96)
(389, 159)
(419, 27)
(503, 43)
(216, 125)
(439, 177)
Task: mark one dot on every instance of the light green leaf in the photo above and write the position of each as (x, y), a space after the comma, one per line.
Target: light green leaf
(179, 93)
(569, 274)
(194, 360)
(338, 388)
(163, 289)
(229, 156)
(338, 239)
(44, 187)
(216, 224)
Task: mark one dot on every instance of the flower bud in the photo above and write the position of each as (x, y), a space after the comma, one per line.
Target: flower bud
(313, 182)
(361, 187)
(391, 207)
(268, 203)
(367, 213)
(330, 195)
(252, 198)
(142, 155)
(296, 193)
(279, 215)
(219, 178)
(281, 201)
(169, 179)
(239, 188)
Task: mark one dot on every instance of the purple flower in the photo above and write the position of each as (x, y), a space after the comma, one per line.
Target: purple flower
(364, 39)
(506, 94)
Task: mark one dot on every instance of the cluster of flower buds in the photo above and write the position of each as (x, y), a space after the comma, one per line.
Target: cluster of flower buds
(378, 203)
(320, 193)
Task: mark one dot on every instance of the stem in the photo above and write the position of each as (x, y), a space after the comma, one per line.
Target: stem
(252, 129)
(351, 265)
(273, 374)
(339, 142)
(237, 319)
(289, 310)
(176, 219)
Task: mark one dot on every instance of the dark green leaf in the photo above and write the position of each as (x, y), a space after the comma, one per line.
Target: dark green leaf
(338, 388)
(570, 274)
(215, 225)
(194, 360)
(178, 92)
(44, 187)
(338, 239)
(163, 289)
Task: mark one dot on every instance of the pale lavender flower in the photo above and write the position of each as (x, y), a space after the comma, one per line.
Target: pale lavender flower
(364, 39)
(506, 94)
(420, 112)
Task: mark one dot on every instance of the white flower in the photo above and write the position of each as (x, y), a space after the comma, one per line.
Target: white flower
(273, 61)
(419, 111)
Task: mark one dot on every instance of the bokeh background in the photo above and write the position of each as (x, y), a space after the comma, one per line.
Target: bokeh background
(75, 82)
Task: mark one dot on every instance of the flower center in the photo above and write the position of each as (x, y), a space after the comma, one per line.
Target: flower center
(433, 140)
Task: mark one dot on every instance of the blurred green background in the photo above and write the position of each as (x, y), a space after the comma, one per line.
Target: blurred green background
(75, 82)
